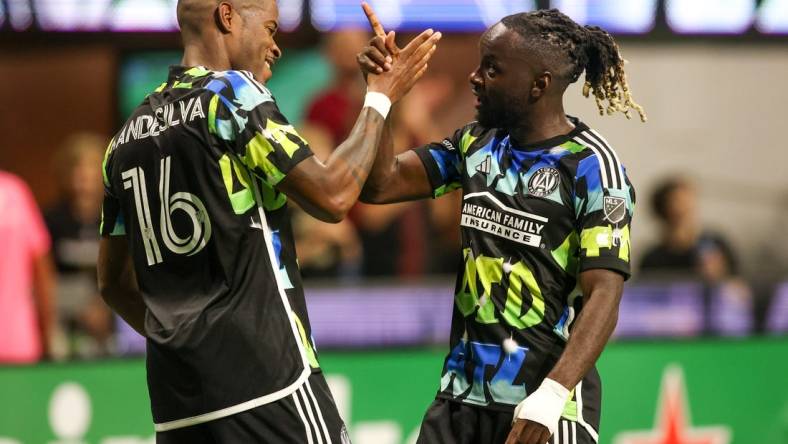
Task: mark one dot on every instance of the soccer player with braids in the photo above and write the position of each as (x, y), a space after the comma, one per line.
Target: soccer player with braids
(545, 220)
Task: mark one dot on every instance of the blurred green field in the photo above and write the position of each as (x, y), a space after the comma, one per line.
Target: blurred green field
(733, 388)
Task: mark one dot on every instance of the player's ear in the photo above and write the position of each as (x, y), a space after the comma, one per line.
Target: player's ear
(224, 17)
(540, 85)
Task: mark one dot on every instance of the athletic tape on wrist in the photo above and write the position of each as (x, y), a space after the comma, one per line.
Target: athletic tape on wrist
(379, 102)
(545, 405)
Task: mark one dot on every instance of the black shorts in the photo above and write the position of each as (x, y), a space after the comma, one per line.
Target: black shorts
(308, 416)
(449, 422)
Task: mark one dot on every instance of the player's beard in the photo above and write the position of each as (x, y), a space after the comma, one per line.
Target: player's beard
(499, 112)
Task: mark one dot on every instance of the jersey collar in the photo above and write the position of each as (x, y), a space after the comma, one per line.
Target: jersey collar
(553, 141)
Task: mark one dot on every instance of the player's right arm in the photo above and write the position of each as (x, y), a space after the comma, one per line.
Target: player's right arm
(395, 178)
(328, 190)
(429, 171)
(269, 146)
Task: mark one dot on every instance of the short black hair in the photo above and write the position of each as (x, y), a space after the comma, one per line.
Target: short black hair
(575, 49)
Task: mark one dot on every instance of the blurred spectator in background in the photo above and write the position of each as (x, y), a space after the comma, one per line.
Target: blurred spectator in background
(73, 222)
(336, 108)
(27, 317)
(685, 248)
(324, 250)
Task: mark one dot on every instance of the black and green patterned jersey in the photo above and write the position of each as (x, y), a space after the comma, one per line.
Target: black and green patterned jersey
(533, 218)
(191, 181)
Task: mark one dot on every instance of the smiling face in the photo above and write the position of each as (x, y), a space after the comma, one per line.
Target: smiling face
(507, 80)
(253, 47)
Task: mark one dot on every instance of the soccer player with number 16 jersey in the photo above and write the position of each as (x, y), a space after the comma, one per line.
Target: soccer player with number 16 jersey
(197, 251)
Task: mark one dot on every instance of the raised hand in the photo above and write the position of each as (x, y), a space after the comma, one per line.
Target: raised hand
(407, 69)
(379, 47)
(395, 70)
(382, 50)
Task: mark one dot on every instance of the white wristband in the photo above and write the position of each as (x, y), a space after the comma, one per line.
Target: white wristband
(379, 102)
(545, 405)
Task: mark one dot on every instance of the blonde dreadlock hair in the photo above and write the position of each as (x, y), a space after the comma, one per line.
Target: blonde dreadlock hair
(582, 48)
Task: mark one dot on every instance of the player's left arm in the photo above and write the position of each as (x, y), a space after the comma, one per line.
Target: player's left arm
(604, 201)
(602, 291)
(117, 282)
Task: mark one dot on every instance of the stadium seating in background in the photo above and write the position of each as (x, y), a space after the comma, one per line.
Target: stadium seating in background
(661, 310)
(416, 315)
(731, 311)
(127, 341)
(373, 316)
(777, 317)
(685, 309)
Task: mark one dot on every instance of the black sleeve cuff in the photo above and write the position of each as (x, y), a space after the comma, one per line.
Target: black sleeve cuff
(298, 157)
(606, 263)
(431, 167)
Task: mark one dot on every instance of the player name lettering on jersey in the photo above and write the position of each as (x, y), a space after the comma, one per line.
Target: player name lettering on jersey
(163, 118)
(503, 224)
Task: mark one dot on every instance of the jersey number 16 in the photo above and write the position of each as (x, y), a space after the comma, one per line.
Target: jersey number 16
(190, 204)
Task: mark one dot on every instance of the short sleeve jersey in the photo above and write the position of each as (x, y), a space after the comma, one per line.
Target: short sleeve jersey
(533, 217)
(191, 181)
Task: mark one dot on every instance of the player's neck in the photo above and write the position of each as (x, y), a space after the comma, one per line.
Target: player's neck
(204, 54)
(540, 126)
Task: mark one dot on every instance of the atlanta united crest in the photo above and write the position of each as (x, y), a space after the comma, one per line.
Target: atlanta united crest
(615, 209)
(544, 182)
